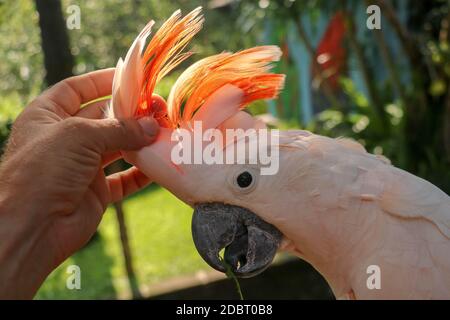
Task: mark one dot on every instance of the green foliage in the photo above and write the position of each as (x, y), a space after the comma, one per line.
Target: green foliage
(9, 110)
(161, 243)
(21, 65)
(107, 30)
(230, 274)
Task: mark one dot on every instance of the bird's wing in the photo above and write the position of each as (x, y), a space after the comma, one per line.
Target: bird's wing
(403, 194)
(408, 196)
(396, 191)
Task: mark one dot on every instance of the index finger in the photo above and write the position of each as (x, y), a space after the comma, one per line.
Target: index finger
(69, 94)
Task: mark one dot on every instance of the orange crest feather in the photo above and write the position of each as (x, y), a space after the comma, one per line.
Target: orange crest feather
(248, 70)
(164, 51)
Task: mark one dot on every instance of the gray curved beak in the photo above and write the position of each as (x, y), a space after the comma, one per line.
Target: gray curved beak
(250, 243)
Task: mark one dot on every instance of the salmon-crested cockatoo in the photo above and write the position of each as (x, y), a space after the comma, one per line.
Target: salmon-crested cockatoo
(372, 230)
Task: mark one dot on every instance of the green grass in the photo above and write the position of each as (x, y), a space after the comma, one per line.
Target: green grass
(160, 237)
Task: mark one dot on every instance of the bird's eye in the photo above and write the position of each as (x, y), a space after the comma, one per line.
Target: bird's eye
(244, 179)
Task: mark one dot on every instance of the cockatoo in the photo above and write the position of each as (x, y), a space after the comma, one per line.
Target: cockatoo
(351, 214)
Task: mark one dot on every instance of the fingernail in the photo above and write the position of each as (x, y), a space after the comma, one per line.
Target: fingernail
(150, 126)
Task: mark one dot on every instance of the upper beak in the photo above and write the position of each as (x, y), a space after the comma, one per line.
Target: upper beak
(250, 243)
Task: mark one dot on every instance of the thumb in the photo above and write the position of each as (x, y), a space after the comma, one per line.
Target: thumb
(125, 134)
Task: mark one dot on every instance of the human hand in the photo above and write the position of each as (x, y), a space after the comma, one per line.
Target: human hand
(53, 190)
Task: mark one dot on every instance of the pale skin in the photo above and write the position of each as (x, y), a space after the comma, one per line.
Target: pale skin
(53, 189)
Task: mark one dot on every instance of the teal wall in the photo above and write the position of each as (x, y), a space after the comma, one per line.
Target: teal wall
(299, 73)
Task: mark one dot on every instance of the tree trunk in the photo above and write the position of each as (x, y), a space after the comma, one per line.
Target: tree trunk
(58, 59)
(126, 249)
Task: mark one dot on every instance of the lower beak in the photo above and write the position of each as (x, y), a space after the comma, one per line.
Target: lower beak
(250, 243)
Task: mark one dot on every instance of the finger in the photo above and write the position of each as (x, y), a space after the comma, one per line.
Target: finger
(100, 188)
(72, 92)
(125, 134)
(127, 182)
(110, 157)
(95, 110)
(110, 135)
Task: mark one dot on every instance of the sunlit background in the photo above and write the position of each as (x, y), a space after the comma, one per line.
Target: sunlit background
(389, 89)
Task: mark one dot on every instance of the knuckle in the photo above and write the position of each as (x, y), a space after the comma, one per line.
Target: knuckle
(75, 124)
(130, 128)
(124, 132)
(67, 81)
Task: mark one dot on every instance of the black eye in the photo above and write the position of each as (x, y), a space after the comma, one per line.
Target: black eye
(244, 179)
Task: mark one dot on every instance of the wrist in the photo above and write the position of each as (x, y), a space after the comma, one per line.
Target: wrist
(23, 263)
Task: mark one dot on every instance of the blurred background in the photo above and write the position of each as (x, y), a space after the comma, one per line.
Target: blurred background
(388, 88)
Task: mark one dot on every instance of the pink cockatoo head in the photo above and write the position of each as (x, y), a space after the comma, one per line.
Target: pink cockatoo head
(211, 94)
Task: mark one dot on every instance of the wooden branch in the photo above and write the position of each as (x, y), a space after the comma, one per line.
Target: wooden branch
(364, 67)
(391, 66)
(387, 56)
(416, 107)
(412, 52)
(408, 44)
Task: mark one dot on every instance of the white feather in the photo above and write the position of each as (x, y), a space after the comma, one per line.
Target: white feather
(128, 79)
